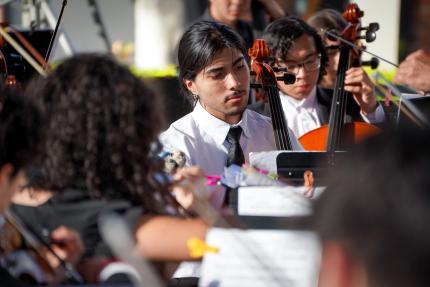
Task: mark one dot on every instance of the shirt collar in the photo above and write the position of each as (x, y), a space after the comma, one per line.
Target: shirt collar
(215, 127)
(307, 102)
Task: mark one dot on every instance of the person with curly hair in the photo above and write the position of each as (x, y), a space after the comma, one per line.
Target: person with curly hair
(21, 125)
(100, 156)
(296, 46)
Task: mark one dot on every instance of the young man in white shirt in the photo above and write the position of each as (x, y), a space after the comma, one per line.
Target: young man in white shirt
(215, 77)
(298, 47)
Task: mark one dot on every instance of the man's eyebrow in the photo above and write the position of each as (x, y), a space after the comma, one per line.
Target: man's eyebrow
(215, 70)
(238, 60)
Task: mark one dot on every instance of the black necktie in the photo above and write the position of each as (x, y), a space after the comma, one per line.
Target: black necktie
(235, 153)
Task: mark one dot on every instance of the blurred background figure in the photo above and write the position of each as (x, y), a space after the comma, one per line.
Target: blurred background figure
(261, 12)
(326, 20)
(229, 12)
(373, 218)
(414, 71)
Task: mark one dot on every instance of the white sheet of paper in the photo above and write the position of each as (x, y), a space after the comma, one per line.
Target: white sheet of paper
(274, 201)
(266, 258)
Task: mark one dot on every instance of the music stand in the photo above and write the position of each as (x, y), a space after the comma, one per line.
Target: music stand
(414, 109)
(292, 165)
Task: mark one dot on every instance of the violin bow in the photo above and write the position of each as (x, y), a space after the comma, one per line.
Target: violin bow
(36, 241)
(54, 34)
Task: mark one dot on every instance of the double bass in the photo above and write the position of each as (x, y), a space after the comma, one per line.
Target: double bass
(338, 135)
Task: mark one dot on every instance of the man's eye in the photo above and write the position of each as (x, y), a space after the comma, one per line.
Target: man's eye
(240, 66)
(217, 76)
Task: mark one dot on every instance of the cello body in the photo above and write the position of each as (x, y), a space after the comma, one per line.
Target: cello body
(353, 133)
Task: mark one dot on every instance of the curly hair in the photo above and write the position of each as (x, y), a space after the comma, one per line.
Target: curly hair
(21, 129)
(281, 34)
(102, 131)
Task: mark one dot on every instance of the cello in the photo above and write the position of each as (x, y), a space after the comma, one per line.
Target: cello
(259, 54)
(338, 135)
(265, 74)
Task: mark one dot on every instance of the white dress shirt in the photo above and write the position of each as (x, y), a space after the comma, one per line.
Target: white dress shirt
(202, 137)
(304, 115)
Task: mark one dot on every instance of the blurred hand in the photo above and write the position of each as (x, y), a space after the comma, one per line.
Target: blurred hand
(189, 182)
(358, 83)
(67, 243)
(414, 71)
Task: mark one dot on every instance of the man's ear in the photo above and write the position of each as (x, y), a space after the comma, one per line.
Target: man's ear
(191, 86)
(336, 266)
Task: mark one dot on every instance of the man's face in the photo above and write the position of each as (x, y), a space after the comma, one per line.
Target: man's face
(223, 85)
(228, 11)
(303, 60)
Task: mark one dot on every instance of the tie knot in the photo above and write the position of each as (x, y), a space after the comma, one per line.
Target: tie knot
(233, 135)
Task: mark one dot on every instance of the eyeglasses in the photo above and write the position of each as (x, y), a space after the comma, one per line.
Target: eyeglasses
(309, 65)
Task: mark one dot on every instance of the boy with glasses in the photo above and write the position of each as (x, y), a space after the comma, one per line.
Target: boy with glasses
(298, 47)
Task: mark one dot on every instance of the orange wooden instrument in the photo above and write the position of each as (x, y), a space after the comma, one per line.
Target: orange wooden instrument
(338, 135)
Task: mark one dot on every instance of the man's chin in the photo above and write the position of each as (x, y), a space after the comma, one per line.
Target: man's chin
(236, 111)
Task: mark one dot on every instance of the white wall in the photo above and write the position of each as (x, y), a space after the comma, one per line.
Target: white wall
(387, 14)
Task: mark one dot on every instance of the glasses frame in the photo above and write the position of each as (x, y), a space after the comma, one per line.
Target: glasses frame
(302, 65)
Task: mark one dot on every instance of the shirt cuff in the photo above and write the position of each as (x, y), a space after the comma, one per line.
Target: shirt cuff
(377, 116)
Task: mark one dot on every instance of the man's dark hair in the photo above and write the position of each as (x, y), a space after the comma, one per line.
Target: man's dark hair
(21, 125)
(377, 206)
(199, 45)
(281, 34)
(102, 132)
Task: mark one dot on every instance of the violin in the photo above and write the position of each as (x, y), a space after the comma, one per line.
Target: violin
(26, 252)
(338, 135)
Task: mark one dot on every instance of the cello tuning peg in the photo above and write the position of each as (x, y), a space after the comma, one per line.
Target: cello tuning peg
(373, 63)
(373, 26)
(287, 78)
(370, 36)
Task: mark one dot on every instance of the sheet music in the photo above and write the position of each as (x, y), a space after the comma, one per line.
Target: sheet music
(275, 201)
(266, 258)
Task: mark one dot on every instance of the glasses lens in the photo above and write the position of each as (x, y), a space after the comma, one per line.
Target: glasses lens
(313, 64)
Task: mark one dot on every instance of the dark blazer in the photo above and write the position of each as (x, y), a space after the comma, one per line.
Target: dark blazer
(324, 97)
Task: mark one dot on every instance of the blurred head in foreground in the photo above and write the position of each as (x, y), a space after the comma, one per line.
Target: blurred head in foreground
(374, 217)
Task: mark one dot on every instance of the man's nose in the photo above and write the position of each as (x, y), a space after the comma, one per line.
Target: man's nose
(232, 81)
(301, 72)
